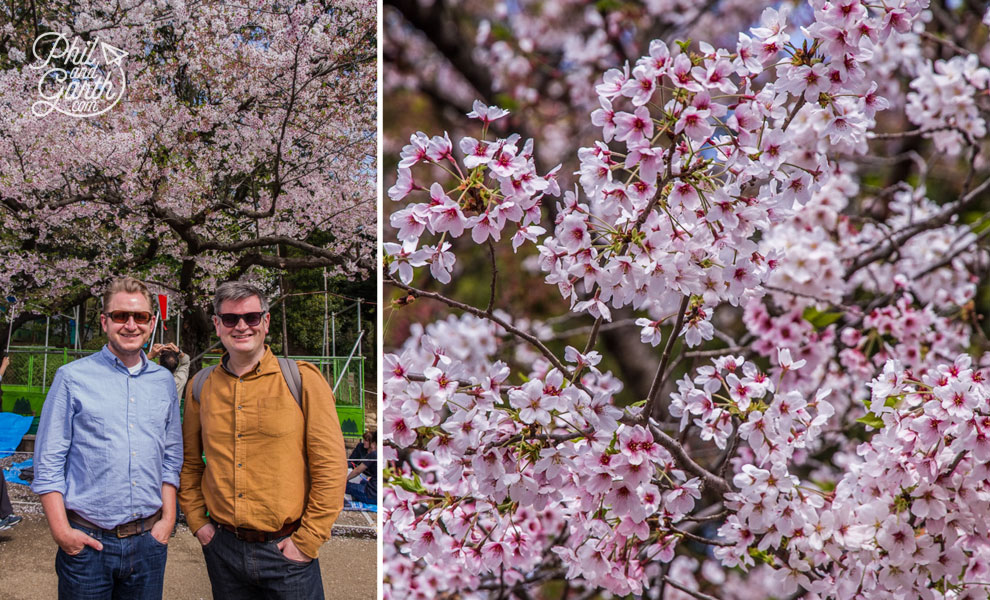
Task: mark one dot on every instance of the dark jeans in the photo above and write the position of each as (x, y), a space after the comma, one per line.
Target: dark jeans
(359, 492)
(5, 507)
(248, 570)
(127, 568)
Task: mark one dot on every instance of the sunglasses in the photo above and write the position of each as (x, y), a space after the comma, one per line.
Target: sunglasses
(251, 319)
(121, 316)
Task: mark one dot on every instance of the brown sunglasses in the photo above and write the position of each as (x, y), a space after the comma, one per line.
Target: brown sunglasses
(121, 316)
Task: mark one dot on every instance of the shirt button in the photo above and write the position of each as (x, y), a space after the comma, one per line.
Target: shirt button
(132, 399)
(240, 464)
(133, 453)
(133, 483)
(239, 408)
(131, 425)
(240, 435)
(240, 495)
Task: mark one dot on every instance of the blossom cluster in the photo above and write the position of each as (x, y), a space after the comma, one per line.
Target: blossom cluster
(897, 523)
(497, 185)
(724, 197)
(509, 466)
(944, 101)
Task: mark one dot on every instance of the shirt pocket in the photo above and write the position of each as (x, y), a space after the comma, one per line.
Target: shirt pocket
(156, 411)
(276, 415)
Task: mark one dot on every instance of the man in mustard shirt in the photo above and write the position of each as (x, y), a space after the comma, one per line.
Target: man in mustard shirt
(273, 481)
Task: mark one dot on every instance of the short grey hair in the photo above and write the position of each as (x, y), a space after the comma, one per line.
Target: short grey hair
(238, 290)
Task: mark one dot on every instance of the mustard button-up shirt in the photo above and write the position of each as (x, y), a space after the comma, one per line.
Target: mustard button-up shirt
(268, 463)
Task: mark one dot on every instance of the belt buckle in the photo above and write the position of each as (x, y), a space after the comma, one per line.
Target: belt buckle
(240, 534)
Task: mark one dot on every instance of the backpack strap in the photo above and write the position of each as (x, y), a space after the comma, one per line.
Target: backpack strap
(199, 379)
(290, 372)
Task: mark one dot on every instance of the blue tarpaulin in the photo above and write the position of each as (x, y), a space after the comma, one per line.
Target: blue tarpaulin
(12, 429)
(359, 506)
(14, 473)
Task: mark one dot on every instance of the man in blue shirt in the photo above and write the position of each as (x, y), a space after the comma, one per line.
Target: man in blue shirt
(107, 459)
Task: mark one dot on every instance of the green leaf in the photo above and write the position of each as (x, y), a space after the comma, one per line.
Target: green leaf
(507, 102)
(608, 6)
(410, 485)
(760, 555)
(871, 420)
(825, 486)
(820, 319)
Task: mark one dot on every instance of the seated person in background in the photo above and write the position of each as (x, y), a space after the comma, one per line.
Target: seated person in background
(361, 450)
(365, 491)
(175, 360)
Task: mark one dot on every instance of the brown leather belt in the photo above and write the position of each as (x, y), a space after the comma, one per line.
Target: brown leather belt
(253, 535)
(126, 530)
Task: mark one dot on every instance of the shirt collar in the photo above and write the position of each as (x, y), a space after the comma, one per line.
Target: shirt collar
(113, 361)
(267, 364)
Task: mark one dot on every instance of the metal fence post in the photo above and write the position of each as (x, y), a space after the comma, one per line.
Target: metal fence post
(44, 374)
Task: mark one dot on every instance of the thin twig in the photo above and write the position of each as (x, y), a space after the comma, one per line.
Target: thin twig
(948, 259)
(910, 133)
(897, 240)
(700, 539)
(947, 43)
(658, 379)
(730, 449)
(561, 335)
(715, 352)
(688, 591)
(709, 479)
(955, 463)
(491, 299)
(491, 317)
(594, 335)
(704, 518)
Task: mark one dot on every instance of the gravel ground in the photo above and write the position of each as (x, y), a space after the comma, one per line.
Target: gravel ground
(27, 557)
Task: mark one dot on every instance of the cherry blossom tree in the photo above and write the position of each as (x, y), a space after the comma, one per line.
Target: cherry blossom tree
(243, 146)
(786, 216)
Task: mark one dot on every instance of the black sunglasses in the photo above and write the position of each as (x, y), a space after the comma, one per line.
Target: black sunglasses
(251, 319)
(121, 316)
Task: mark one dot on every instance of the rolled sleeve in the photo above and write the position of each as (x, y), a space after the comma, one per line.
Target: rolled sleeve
(53, 439)
(172, 461)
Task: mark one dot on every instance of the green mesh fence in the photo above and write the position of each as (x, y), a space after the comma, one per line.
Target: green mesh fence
(32, 368)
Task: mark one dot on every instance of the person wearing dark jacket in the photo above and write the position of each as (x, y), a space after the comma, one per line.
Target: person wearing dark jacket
(7, 517)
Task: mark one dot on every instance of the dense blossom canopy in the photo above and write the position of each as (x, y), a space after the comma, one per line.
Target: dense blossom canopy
(245, 127)
(818, 417)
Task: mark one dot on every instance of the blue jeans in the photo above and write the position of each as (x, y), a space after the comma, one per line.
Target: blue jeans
(248, 570)
(359, 492)
(130, 568)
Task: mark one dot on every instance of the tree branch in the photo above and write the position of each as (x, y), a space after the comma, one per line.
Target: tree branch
(658, 379)
(491, 317)
(709, 479)
(900, 237)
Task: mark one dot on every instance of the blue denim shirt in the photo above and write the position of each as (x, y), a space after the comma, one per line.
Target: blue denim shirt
(107, 440)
